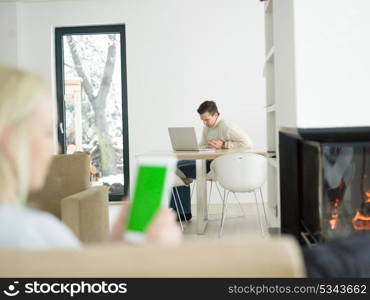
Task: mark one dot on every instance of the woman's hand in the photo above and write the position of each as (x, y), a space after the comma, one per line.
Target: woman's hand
(117, 229)
(163, 230)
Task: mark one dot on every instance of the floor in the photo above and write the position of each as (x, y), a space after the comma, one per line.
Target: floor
(236, 224)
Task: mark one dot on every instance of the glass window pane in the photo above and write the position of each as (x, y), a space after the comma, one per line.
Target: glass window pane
(93, 105)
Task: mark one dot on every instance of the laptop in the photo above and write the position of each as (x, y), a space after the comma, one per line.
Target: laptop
(185, 139)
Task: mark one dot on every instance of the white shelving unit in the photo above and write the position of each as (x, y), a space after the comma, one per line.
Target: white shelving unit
(272, 161)
(288, 60)
(268, 6)
(270, 55)
(271, 108)
(271, 117)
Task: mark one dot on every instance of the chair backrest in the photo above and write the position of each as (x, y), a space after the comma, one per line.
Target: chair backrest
(68, 174)
(240, 172)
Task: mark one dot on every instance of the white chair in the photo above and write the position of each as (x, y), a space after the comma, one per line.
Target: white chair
(210, 177)
(177, 183)
(240, 173)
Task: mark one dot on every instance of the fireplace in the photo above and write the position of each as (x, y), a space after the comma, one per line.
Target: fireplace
(324, 182)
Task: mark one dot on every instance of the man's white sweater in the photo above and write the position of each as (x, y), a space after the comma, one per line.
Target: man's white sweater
(228, 132)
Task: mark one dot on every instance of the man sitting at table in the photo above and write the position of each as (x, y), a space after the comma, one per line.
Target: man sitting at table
(217, 134)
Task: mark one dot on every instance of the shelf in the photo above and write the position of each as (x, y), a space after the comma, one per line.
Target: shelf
(271, 108)
(271, 131)
(270, 55)
(272, 161)
(269, 59)
(268, 6)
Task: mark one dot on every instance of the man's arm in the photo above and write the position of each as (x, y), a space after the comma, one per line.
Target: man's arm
(236, 138)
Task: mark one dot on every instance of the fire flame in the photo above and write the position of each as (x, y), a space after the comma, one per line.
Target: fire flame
(334, 214)
(361, 222)
(368, 197)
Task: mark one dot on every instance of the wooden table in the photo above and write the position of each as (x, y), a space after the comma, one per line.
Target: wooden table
(201, 176)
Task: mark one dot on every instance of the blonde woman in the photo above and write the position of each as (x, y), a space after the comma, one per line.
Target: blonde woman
(26, 147)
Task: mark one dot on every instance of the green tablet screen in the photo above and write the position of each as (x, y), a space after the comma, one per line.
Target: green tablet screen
(147, 196)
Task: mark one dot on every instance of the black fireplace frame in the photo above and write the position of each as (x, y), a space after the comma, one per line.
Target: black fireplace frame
(301, 175)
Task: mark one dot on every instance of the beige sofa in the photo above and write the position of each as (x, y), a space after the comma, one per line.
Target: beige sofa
(68, 195)
(84, 209)
(249, 257)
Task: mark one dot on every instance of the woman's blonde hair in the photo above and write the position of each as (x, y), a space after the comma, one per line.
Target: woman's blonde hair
(19, 93)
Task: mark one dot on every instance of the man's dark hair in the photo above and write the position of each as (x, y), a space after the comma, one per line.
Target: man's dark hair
(208, 106)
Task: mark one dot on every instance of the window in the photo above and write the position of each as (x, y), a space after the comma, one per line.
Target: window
(92, 101)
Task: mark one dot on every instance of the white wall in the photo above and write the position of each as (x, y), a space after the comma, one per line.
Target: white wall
(8, 33)
(178, 54)
(332, 46)
(285, 89)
